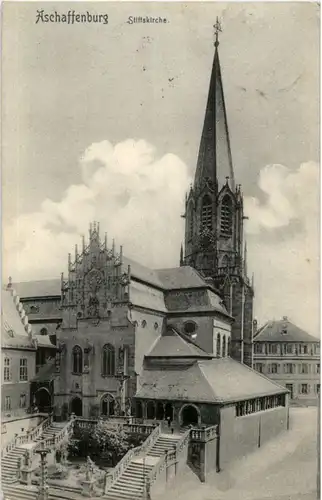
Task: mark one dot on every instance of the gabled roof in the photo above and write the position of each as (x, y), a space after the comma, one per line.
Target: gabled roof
(180, 277)
(16, 331)
(283, 331)
(172, 344)
(210, 381)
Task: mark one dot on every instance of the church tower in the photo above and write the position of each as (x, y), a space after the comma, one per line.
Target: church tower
(214, 219)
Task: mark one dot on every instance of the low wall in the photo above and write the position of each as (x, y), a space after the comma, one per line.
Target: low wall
(19, 425)
(242, 435)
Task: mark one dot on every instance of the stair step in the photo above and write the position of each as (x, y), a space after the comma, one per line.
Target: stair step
(120, 495)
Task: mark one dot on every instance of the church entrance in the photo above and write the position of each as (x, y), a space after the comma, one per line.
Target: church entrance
(43, 400)
(189, 415)
(107, 405)
(160, 411)
(77, 407)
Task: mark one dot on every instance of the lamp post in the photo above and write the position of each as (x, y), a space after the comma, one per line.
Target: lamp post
(43, 487)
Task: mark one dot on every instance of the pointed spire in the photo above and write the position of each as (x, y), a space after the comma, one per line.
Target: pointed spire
(214, 159)
(105, 241)
(113, 247)
(83, 243)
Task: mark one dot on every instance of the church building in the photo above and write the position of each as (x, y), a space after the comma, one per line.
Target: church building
(214, 220)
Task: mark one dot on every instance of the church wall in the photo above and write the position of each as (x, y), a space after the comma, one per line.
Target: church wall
(236, 329)
(91, 386)
(248, 328)
(241, 435)
(148, 327)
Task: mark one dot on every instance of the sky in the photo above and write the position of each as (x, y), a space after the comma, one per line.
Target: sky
(103, 121)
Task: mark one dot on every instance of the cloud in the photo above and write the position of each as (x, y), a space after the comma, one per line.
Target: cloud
(137, 197)
(286, 261)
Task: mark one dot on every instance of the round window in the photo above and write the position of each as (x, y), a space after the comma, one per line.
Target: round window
(190, 327)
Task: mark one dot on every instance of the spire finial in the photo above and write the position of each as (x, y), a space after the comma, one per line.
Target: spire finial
(218, 29)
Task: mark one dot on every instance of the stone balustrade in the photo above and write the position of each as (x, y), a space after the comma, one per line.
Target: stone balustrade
(204, 434)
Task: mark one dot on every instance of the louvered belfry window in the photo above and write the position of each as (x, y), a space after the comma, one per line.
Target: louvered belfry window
(206, 213)
(226, 216)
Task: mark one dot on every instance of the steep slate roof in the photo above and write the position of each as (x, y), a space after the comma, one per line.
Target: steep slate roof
(272, 332)
(44, 341)
(14, 333)
(165, 279)
(208, 381)
(41, 288)
(180, 277)
(173, 345)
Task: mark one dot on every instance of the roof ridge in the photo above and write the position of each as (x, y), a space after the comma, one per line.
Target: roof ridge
(20, 310)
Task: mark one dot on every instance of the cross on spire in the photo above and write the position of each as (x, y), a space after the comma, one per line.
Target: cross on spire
(218, 29)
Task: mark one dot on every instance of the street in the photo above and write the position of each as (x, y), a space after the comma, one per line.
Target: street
(282, 469)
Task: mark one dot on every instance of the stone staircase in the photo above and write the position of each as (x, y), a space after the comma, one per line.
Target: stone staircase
(51, 431)
(9, 465)
(130, 485)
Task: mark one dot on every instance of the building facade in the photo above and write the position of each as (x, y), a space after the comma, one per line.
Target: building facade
(18, 357)
(291, 357)
(214, 221)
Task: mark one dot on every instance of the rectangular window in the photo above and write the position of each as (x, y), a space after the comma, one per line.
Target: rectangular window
(23, 401)
(304, 389)
(274, 368)
(274, 349)
(259, 367)
(318, 368)
(23, 375)
(6, 370)
(304, 368)
(258, 348)
(288, 368)
(289, 387)
(7, 403)
(289, 348)
(317, 348)
(317, 388)
(305, 349)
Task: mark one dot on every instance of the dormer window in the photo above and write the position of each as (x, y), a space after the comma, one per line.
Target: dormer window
(206, 213)
(226, 216)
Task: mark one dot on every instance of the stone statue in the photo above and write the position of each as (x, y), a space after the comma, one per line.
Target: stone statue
(27, 459)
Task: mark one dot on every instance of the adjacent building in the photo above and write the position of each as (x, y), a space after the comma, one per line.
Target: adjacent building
(290, 356)
(18, 357)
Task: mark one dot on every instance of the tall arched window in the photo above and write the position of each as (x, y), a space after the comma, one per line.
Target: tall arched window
(218, 346)
(226, 216)
(191, 225)
(224, 346)
(206, 213)
(108, 360)
(77, 359)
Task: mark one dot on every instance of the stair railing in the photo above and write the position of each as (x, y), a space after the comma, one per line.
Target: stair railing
(169, 458)
(112, 477)
(26, 438)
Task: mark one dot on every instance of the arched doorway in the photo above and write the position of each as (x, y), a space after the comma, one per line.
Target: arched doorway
(77, 407)
(107, 405)
(189, 415)
(43, 400)
(150, 410)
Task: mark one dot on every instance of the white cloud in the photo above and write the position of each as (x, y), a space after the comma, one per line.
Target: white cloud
(283, 235)
(137, 197)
